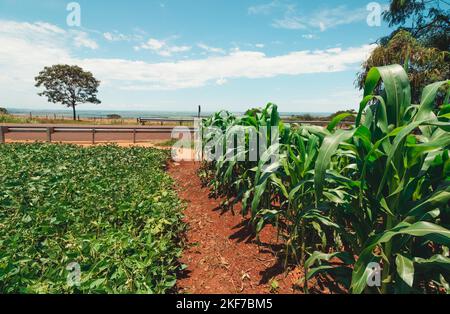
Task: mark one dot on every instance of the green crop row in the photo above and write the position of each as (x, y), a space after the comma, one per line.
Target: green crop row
(110, 210)
(345, 199)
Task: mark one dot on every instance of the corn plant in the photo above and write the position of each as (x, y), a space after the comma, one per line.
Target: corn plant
(378, 192)
(396, 212)
(282, 194)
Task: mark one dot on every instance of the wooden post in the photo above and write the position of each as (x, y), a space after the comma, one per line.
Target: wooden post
(134, 136)
(199, 111)
(3, 131)
(49, 134)
(93, 136)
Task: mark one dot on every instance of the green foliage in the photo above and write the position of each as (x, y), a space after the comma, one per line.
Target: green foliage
(427, 20)
(114, 116)
(109, 209)
(311, 117)
(341, 199)
(3, 111)
(68, 85)
(424, 65)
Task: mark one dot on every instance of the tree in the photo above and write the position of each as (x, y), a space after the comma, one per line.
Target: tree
(424, 65)
(68, 85)
(427, 20)
(3, 111)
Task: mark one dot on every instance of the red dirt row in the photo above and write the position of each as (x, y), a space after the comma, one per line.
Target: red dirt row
(222, 255)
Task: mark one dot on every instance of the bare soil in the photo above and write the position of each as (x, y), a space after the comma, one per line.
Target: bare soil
(222, 255)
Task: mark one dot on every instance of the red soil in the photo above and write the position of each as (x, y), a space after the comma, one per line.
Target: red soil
(222, 255)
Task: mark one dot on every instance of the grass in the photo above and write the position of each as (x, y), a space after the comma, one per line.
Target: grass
(8, 118)
(109, 209)
(21, 119)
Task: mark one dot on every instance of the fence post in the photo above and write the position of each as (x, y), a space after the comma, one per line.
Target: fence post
(49, 134)
(93, 136)
(134, 136)
(3, 131)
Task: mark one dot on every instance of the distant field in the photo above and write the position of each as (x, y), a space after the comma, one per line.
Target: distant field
(109, 209)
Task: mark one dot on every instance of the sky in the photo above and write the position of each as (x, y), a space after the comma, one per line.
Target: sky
(173, 55)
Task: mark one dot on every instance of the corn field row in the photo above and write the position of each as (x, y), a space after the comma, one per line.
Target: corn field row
(343, 199)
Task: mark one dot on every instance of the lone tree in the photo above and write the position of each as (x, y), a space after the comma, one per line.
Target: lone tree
(68, 85)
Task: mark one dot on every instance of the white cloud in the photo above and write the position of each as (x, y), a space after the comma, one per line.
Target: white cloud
(210, 49)
(293, 19)
(265, 8)
(162, 48)
(26, 48)
(289, 22)
(259, 46)
(309, 36)
(329, 18)
(82, 40)
(117, 36)
(139, 75)
(221, 81)
(154, 44)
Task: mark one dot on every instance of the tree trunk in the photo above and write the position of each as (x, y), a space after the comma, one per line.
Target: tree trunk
(74, 113)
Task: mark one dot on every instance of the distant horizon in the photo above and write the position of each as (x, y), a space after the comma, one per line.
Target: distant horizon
(103, 112)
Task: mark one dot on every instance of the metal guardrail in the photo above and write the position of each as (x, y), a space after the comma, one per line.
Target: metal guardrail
(132, 130)
(74, 129)
(142, 121)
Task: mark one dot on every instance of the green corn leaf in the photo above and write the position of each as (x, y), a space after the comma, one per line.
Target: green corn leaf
(336, 120)
(327, 150)
(419, 229)
(405, 269)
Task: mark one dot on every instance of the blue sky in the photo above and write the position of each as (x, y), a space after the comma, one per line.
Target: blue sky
(177, 54)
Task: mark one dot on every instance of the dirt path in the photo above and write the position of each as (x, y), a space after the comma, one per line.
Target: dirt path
(222, 256)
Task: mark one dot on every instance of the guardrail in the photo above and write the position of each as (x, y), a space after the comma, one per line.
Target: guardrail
(142, 121)
(92, 130)
(49, 130)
